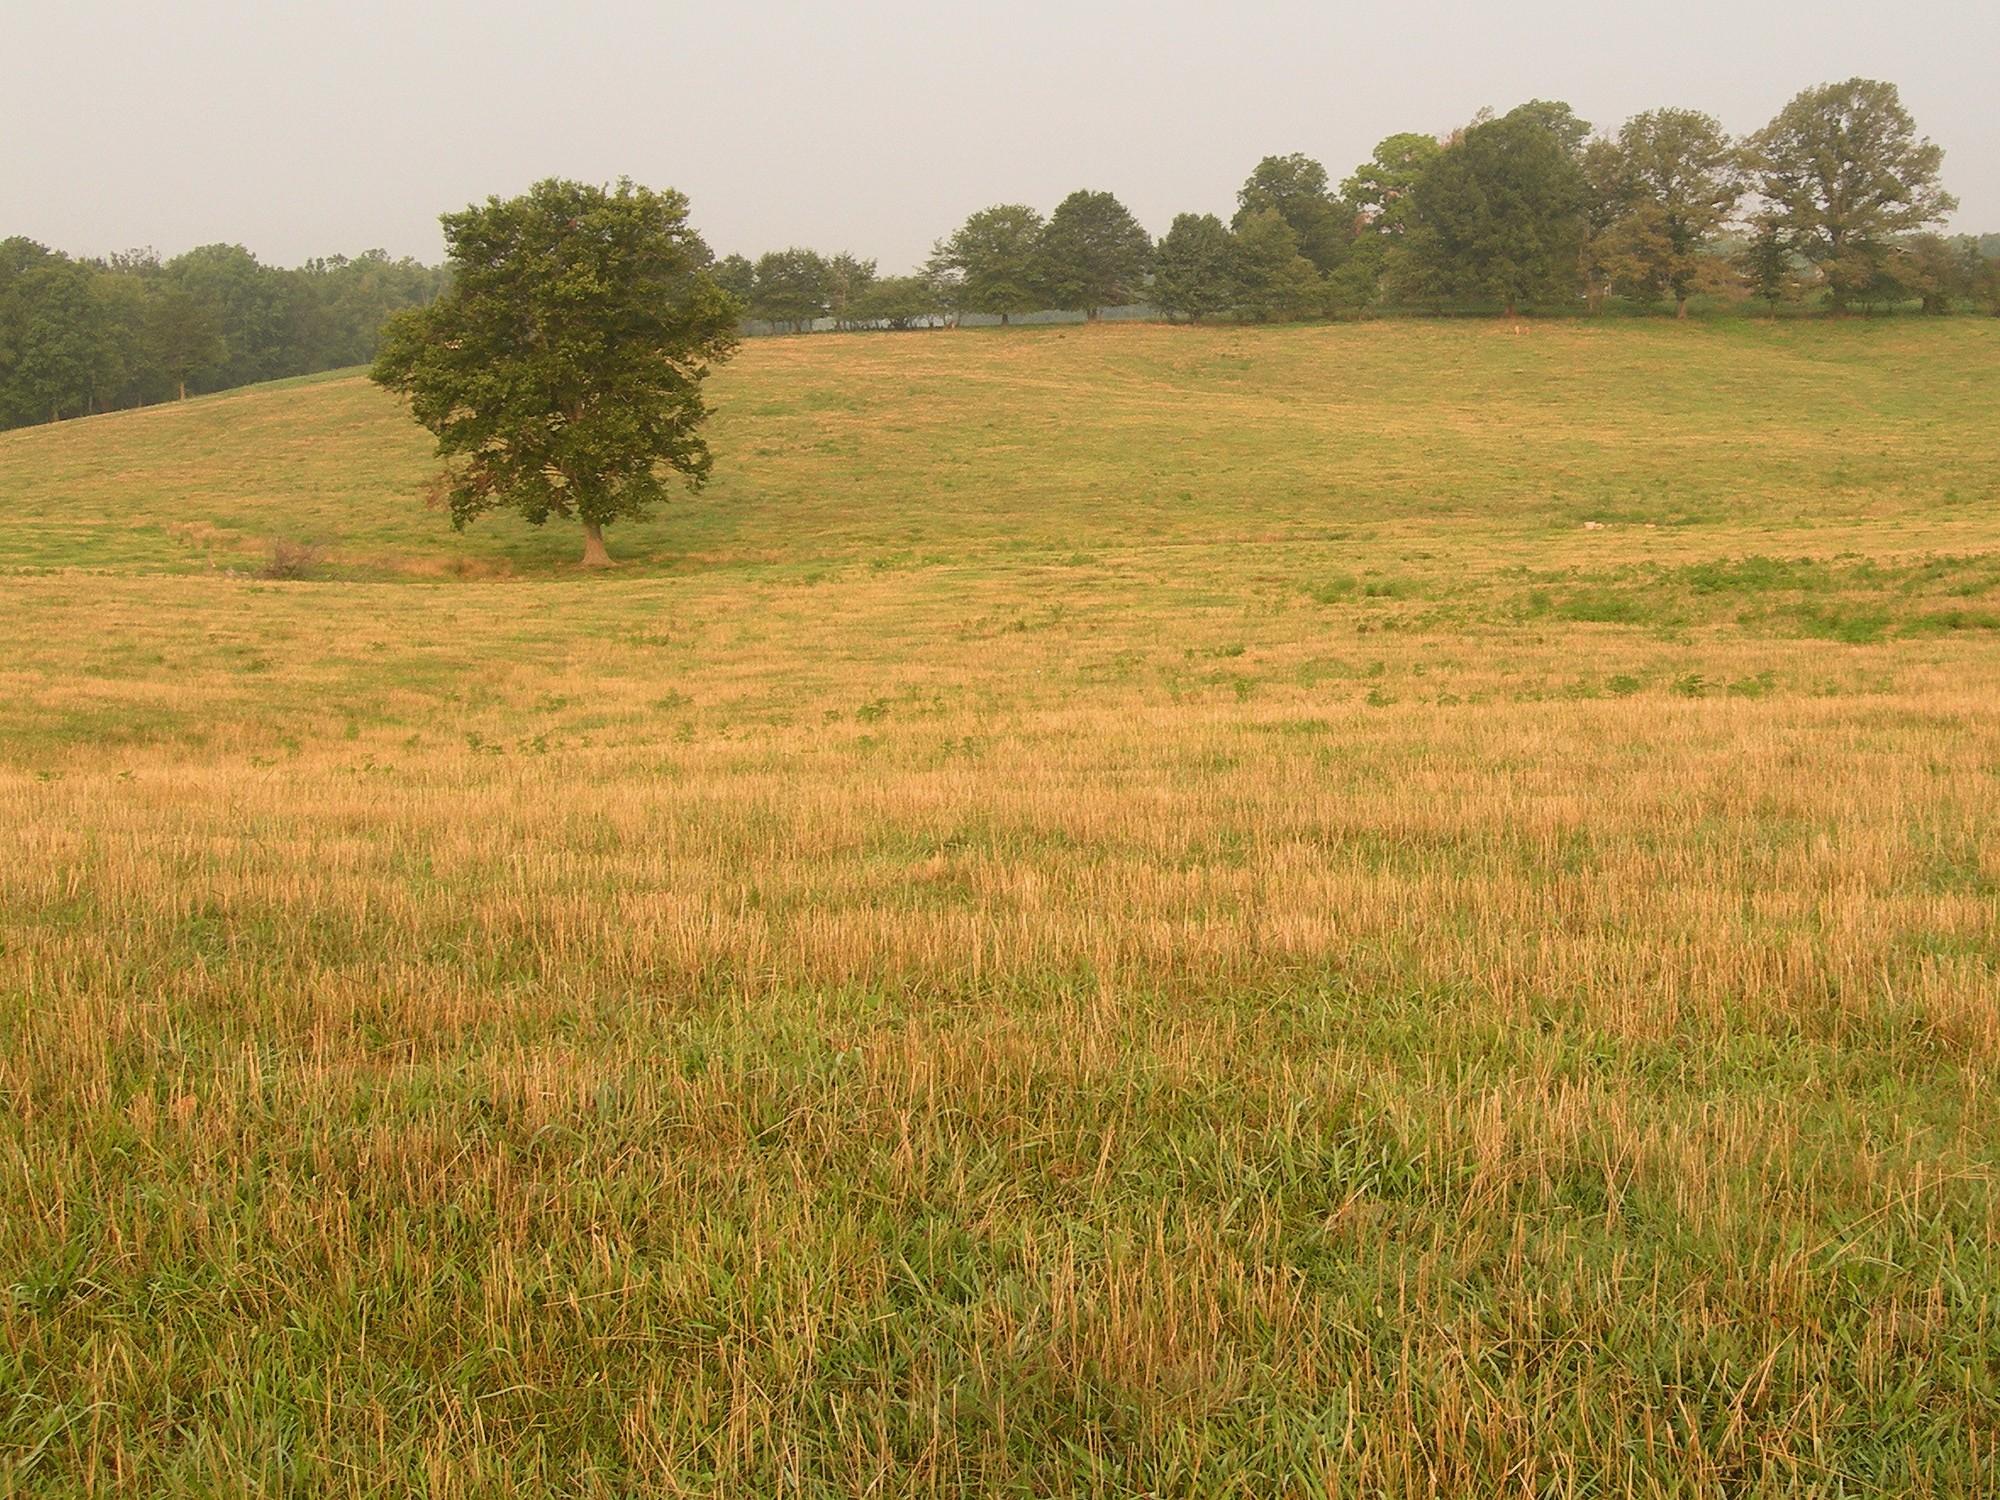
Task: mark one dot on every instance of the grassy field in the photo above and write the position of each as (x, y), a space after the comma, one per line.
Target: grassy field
(1392, 910)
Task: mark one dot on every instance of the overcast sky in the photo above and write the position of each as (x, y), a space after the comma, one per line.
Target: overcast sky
(302, 129)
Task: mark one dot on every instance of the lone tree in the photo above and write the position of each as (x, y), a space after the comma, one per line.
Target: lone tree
(1845, 173)
(562, 371)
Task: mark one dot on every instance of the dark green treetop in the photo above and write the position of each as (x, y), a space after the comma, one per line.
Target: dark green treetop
(1502, 210)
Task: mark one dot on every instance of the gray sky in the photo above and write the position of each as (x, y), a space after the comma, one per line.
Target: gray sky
(301, 129)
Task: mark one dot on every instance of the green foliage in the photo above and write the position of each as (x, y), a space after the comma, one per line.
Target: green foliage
(1297, 190)
(1274, 281)
(1766, 265)
(1674, 180)
(1846, 173)
(898, 302)
(848, 278)
(1193, 268)
(736, 275)
(789, 288)
(52, 329)
(79, 336)
(1380, 194)
(563, 371)
(993, 262)
(1093, 253)
(1500, 214)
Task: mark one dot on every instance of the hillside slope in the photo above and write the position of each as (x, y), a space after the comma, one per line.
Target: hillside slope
(844, 448)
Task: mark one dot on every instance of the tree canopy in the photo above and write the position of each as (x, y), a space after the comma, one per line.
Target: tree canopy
(562, 373)
(993, 261)
(1676, 179)
(1297, 189)
(1093, 254)
(1846, 171)
(1193, 268)
(1501, 212)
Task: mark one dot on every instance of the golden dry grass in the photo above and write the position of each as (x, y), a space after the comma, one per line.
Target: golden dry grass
(1139, 912)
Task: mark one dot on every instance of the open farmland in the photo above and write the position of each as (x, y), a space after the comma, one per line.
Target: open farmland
(1393, 909)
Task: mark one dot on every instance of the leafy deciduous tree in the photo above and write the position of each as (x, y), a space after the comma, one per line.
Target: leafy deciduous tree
(993, 261)
(1093, 254)
(1845, 172)
(1502, 210)
(790, 288)
(848, 278)
(1273, 280)
(1297, 189)
(1679, 178)
(1766, 264)
(562, 373)
(1193, 268)
(898, 302)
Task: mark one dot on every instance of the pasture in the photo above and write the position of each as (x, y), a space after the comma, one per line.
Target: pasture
(1390, 909)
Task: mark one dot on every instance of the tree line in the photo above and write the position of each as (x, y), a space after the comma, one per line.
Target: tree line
(89, 335)
(1833, 202)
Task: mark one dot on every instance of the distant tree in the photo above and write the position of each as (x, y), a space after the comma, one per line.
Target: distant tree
(790, 289)
(1093, 254)
(1679, 179)
(847, 279)
(1379, 194)
(1979, 272)
(1608, 201)
(124, 374)
(736, 275)
(250, 305)
(183, 337)
(1297, 189)
(20, 257)
(562, 371)
(1766, 264)
(57, 341)
(1933, 270)
(1274, 282)
(1845, 173)
(1378, 201)
(338, 305)
(1502, 211)
(898, 302)
(993, 261)
(1194, 268)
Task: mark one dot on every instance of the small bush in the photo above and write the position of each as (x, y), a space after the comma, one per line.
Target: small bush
(290, 559)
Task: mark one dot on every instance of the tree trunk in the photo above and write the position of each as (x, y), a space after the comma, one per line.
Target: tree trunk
(594, 555)
(1512, 312)
(1004, 317)
(184, 390)
(1680, 307)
